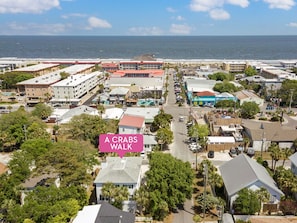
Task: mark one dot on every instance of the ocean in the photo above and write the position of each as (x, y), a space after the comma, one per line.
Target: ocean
(161, 47)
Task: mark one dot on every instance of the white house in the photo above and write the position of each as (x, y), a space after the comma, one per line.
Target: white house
(244, 172)
(131, 124)
(121, 172)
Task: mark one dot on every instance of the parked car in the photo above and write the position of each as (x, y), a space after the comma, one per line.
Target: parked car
(233, 152)
(181, 118)
(210, 154)
(250, 152)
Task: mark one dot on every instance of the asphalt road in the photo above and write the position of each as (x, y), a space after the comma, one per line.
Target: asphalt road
(179, 148)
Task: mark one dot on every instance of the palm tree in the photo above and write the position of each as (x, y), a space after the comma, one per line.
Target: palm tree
(142, 198)
(286, 153)
(246, 143)
(108, 191)
(263, 196)
(121, 194)
(215, 180)
(275, 153)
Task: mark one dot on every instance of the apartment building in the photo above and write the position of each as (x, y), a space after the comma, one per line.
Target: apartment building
(39, 88)
(140, 65)
(138, 73)
(70, 90)
(234, 66)
(39, 69)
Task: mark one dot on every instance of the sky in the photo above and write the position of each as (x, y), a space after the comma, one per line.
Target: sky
(148, 17)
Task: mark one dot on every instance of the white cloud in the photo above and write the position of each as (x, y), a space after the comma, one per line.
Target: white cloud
(280, 4)
(180, 18)
(37, 29)
(292, 24)
(219, 14)
(215, 7)
(71, 15)
(27, 6)
(95, 22)
(169, 9)
(144, 31)
(182, 29)
(207, 5)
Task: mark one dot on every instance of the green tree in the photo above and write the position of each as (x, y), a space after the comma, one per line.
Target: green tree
(142, 198)
(42, 111)
(16, 126)
(197, 218)
(46, 204)
(288, 89)
(36, 147)
(225, 86)
(286, 153)
(114, 194)
(169, 182)
(162, 120)
(263, 196)
(220, 76)
(70, 160)
(164, 136)
(286, 181)
(200, 132)
(249, 110)
(208, 201)
(64, 75)
(275, 153)
(10, 79)
(250, 71)
(88, 127)
(247, 202)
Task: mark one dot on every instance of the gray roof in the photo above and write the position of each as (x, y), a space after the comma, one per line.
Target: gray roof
(149, 140)
(293, 158)
(103, 213)
(111, 214)
(274, 131)
(119, 91)
(148, 113)
(82, 109)
(200, 84)
(242, 171)
(121, 171)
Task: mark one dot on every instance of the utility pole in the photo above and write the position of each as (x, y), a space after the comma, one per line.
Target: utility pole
(291, 98)
(205, 173)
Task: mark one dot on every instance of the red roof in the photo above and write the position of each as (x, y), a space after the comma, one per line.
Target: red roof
(152, 73)
(132, 121)
(205, 93)
(113, 65)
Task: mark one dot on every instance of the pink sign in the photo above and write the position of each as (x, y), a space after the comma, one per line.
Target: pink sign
(121, 143)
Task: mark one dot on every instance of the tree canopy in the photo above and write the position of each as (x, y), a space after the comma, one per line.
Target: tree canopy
(169, 183)
(225, 86)
(18, 126)
(250, 71)
(42, 111)
(247, 202)
(221, 76)
(249, 109)
(10, 79)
